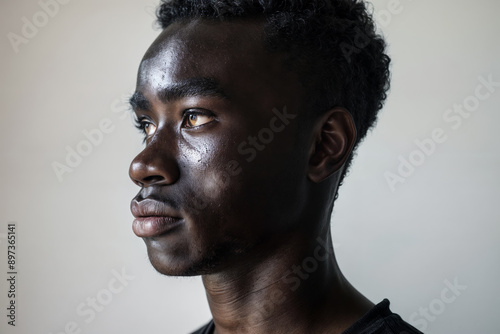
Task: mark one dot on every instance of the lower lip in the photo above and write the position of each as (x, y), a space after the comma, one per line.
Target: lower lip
(146, 227)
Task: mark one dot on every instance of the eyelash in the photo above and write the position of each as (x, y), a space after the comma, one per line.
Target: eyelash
(140, 122)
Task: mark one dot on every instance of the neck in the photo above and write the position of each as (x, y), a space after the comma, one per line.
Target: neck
(294, 288)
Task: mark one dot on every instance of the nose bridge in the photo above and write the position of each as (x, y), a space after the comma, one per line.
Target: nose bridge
(157, 163)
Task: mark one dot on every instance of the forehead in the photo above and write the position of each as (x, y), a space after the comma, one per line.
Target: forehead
(232, 53)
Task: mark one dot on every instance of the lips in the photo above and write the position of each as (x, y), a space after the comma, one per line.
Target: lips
(153, 218)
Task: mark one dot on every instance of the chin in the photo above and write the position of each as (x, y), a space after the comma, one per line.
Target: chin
(181, 265)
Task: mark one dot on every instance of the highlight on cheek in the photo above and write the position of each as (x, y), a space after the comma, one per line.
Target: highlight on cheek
(215, 184)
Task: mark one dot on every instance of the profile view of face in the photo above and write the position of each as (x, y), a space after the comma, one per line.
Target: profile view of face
(224, 162)
(250, 113)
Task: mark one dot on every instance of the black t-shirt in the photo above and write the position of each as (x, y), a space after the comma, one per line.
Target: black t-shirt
(379, 320)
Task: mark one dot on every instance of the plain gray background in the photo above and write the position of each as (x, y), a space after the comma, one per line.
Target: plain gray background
(438, 227)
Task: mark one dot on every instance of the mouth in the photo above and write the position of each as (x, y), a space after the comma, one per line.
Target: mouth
(153, 218)
(154, 226)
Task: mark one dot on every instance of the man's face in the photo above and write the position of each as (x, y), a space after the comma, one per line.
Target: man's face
(223, 171)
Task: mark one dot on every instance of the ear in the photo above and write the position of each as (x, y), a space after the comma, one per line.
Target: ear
(335, 136)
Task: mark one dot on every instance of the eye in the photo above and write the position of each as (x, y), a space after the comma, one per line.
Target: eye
(146, 126)
(149, 129)
(194, 119)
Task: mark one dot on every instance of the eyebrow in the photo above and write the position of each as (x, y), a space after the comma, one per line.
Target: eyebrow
(139, 102)
(192, 87)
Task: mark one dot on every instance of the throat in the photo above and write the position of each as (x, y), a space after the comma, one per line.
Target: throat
(291, 290)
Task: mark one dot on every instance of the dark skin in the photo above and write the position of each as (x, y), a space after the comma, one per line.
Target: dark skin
(203, 89)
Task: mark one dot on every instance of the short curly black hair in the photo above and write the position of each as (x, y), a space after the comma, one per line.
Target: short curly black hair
(331, 44)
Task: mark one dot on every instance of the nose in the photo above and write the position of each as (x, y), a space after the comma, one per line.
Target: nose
(155, 165)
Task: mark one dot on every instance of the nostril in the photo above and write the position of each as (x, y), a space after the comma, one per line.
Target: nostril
(152, 179)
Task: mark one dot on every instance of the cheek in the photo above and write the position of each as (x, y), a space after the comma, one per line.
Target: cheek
(192, 155)
(210, 172)
(232, 195)
(211, 160)
(275, 181)
(216, 184)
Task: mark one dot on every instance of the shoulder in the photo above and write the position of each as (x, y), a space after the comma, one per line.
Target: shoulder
(381, 320)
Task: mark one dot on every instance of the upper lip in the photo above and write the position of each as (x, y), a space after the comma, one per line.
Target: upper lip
(152, 208)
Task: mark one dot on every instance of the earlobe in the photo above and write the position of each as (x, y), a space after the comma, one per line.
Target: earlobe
(335, 135)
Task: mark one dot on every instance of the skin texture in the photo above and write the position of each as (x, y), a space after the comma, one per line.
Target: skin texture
(245, 221)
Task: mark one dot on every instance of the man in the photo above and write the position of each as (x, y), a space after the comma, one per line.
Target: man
(251, 111)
